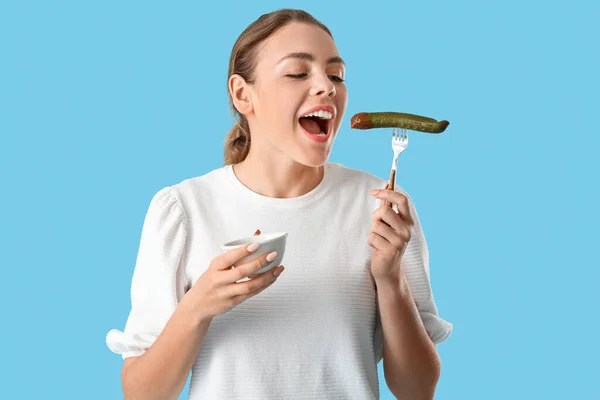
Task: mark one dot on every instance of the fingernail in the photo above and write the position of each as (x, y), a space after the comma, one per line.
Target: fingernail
(253, 247)
(374, 191)
(278, 271)
(272, 256)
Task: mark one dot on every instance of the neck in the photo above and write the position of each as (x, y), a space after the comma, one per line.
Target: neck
(277, 177)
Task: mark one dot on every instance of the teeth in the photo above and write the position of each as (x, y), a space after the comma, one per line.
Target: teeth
(320, 114)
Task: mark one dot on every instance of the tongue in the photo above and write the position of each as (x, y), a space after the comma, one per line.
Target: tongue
(310, 125)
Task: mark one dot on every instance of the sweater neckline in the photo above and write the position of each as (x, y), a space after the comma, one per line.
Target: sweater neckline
(250, 195)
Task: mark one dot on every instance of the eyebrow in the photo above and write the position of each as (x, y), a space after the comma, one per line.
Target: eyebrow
(310, 57)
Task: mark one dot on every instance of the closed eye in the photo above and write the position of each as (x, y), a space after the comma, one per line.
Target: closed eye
(334, 78)
(297, 76)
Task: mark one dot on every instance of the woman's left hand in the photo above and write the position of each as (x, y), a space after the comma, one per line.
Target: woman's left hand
(390, 234)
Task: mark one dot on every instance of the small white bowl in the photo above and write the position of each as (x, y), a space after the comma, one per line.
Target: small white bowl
(269, 242)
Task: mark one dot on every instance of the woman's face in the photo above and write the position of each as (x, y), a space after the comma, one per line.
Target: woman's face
(298, 72)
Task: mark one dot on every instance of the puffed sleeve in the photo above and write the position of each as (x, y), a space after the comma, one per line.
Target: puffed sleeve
(415, 264)
(158, 282)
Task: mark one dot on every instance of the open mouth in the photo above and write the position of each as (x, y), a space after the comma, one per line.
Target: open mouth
(317, 123)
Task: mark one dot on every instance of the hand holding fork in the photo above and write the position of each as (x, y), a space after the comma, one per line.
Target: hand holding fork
(391, 231)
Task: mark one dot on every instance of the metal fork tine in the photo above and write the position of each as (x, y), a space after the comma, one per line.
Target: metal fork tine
(399, 135)
(399, 144)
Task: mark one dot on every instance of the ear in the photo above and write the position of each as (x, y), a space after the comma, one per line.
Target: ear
(240, 94)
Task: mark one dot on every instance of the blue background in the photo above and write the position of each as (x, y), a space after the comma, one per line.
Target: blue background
(104, 103)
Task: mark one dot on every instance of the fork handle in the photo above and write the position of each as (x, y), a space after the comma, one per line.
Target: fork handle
(391, 185)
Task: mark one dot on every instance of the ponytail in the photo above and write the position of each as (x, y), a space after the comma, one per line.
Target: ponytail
(237, 142)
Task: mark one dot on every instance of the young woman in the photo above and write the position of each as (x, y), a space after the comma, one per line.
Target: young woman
(356, 283)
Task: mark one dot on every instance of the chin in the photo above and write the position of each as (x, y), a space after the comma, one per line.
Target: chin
(313, 157)
(311, 153)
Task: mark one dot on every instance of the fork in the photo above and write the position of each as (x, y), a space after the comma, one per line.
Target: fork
(399, 144)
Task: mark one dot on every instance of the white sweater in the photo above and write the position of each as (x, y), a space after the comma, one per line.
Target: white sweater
(315, 333)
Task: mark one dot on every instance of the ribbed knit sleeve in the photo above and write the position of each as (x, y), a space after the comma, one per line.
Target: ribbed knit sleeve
(416, 269)
(158, 282)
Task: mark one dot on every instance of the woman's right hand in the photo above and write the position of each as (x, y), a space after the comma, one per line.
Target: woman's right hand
(218, 290)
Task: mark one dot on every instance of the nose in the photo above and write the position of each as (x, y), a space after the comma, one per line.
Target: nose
(323, 86)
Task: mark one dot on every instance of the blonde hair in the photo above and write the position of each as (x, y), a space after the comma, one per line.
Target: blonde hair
(243, 61)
